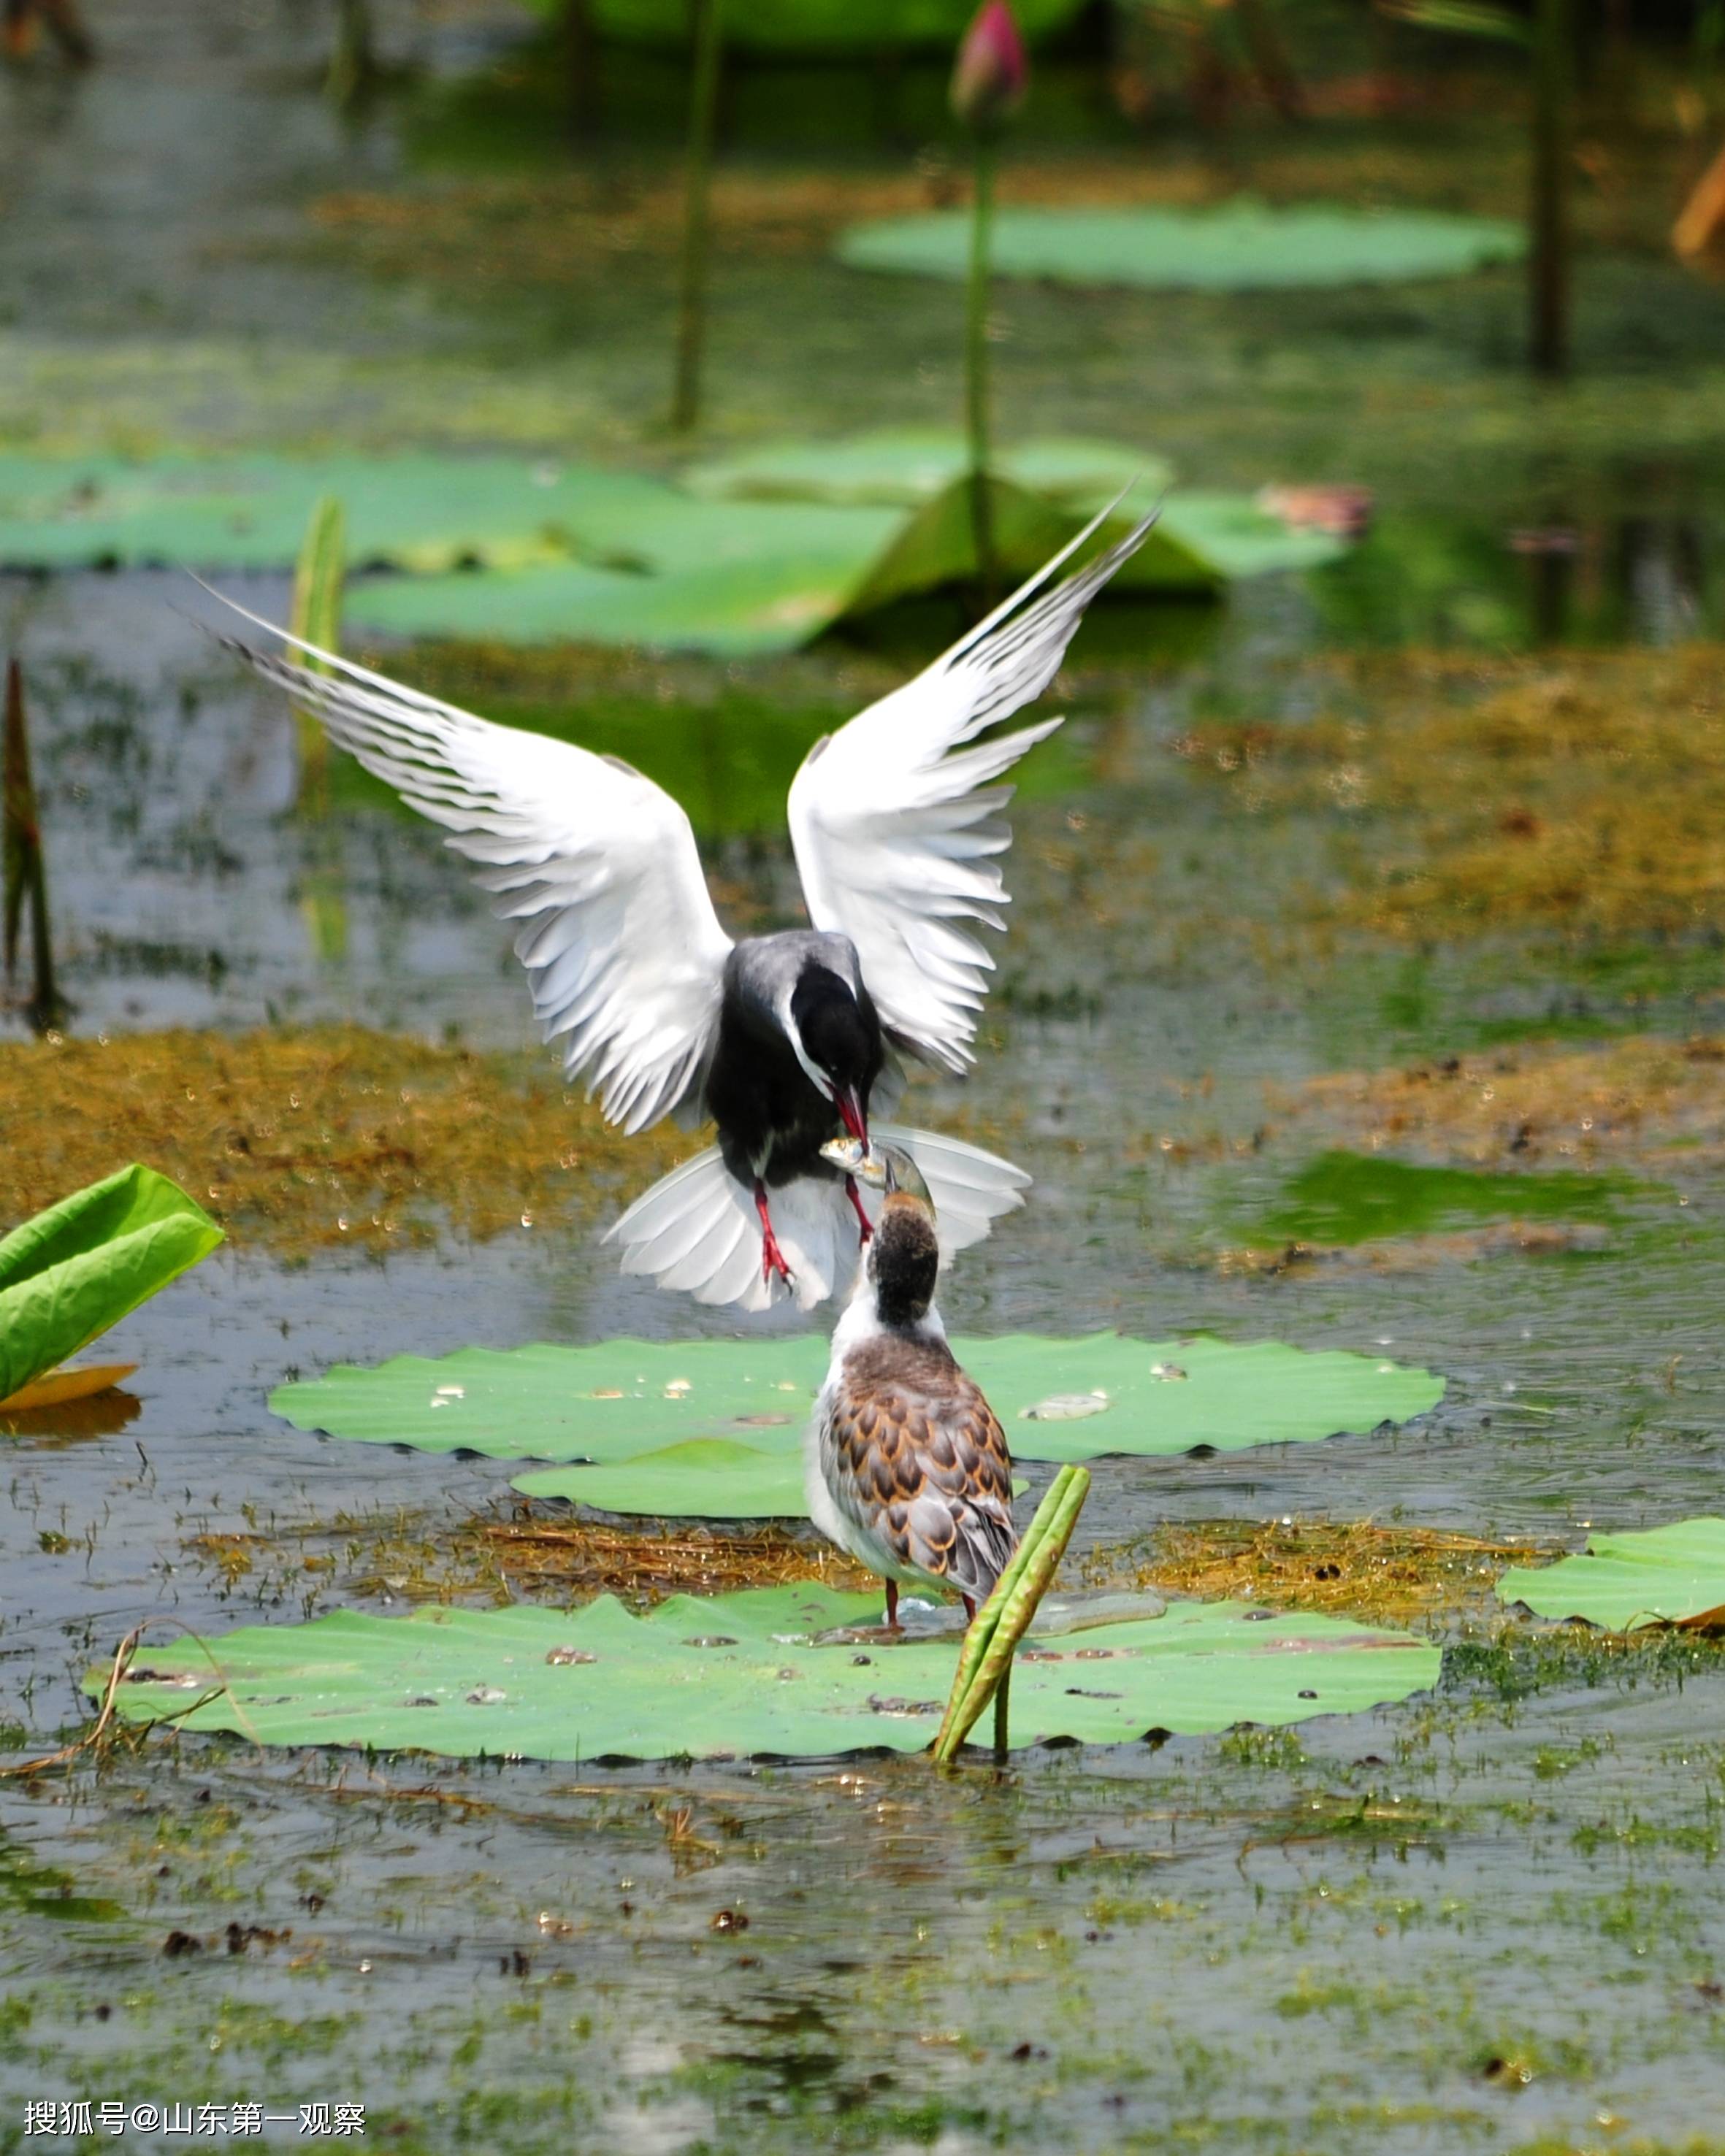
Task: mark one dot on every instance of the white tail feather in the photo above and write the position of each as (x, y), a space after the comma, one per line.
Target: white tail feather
(697, 1230)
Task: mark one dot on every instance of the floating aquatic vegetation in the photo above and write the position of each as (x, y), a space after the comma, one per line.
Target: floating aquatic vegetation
(335, 1137)
(1386, 1573)
(1632, 1098)
(418, 510)
(1664, 1576)
(801, 572)
(1239, 246)
(749, 1674)
(1354, 1198)
(1202, 538)
(562, 552)
(417, 1555)
(898, 467)
(1477, 796)
(76, 1269)
(714, 1427)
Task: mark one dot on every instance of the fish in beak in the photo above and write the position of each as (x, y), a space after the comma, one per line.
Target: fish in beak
(855, 1157)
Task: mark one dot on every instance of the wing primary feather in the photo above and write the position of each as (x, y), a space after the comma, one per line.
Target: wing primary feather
(621, 946)
(894, 817)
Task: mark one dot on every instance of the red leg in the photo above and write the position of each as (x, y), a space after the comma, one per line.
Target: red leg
(772, 1258)
(864, 1223)
(892, 1605)
(969, 1604)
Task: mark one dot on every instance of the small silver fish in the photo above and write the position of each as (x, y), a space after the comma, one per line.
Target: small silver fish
(851, 1157)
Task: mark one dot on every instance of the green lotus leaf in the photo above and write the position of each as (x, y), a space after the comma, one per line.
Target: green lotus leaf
(897, 467)
(424, 512)
(804, 576)
(664, 1424)
(79, 1267)
(747, 577)
(1237, 247)
(707, 1478)
(524, 552)
(749, 1674)
(1662, 1575)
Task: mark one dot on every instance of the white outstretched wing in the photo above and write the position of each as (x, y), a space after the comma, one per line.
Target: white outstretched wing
(893, 821)
(619, 935)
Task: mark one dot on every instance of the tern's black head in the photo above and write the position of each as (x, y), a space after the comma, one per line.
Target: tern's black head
(840, 1034)
(904, 1259)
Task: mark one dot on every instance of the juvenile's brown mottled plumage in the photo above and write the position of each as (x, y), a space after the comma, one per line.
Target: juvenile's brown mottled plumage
(909, 1468)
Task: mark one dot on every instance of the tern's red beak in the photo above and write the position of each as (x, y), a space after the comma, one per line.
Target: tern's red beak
(850, 1110)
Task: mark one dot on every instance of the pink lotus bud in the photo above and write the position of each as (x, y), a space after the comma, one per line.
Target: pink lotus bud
(991, 74)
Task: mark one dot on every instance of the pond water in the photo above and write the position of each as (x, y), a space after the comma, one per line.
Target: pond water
(1486, 1920)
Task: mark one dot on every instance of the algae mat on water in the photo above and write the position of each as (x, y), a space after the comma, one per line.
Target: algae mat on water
(713, 1427)
(749, 1674)
(1240, 246)
(1666, 1576)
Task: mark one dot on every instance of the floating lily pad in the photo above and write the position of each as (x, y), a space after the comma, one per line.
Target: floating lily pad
(801, 579)
(423, 512)
(748, 577)
(1240, 246)
(714, 1427)
(555, 552)
(1202, 538)
(73, 1271)
(1664, 1575)
(897, 467)
(1357, 1198)
(748, 1674)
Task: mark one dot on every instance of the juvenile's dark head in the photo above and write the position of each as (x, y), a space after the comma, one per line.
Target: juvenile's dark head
(840, 1036)
(904, 1253)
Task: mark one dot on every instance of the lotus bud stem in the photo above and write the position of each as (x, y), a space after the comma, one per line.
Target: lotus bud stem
(989, 78)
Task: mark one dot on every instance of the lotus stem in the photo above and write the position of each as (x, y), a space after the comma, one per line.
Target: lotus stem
(1548, 259)
(976, 414)
(698, 174)
(25, 870)
(317, 616)
(353, 64)
(985, 1660)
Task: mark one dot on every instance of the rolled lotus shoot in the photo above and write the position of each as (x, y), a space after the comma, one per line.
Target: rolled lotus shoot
(982, 1625)
(317, 616)
(1004, 1618)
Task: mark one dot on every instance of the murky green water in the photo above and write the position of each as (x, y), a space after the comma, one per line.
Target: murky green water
(1489, 1921)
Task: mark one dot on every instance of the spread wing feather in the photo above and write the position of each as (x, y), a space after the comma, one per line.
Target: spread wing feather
(894, 822)
(619, 937)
